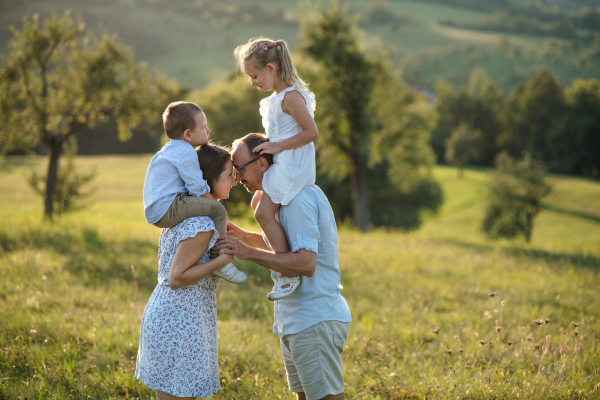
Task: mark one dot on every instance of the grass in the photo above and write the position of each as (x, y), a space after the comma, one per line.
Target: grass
(72, 294)
(197, 51)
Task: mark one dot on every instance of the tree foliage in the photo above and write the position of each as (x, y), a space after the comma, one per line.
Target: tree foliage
(60, 78)
(517, 188)
(374, 132)
(70, 183)
(462, 147)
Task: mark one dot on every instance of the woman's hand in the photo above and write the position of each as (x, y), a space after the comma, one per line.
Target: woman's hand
(225, 258)
(268, 148)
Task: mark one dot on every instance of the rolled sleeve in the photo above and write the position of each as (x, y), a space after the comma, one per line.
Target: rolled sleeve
(300, 223)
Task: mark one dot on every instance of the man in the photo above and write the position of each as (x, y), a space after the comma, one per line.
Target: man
(313, 321)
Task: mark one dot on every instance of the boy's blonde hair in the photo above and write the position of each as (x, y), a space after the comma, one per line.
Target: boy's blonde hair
(262, 51)
(179, 116)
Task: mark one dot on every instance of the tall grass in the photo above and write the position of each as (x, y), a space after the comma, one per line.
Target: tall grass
(425, 322)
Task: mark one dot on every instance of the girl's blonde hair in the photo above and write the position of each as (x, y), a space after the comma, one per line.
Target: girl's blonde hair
(262, 51)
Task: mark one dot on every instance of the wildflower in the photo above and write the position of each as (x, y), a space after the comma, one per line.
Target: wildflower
(546, 321)
(462, 349)
(575, 324)
(491, 294)
(33, 331)
(503, 303)
(456, 337)
(576, 333)
(498, 329)
(482, 342)
(537, 346)
(510, 342)
(538, 322)
(436, 330)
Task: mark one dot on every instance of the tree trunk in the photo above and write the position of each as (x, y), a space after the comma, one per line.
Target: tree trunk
(55, 146)
(360, 194)
(528, 226)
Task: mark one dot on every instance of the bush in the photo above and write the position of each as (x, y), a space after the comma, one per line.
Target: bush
(517, 190)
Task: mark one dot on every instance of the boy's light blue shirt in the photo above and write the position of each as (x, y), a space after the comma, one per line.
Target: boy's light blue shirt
(309, 224)
(174, 169)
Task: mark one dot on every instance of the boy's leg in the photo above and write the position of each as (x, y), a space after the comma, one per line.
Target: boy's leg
(184, 207)
(191, 206)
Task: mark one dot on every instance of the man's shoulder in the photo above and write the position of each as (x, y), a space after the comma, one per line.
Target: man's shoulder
(309, 196)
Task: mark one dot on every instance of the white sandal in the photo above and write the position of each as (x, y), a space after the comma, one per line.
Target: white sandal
(279, 292)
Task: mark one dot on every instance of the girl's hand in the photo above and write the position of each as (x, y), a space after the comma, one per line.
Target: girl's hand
(268, 148)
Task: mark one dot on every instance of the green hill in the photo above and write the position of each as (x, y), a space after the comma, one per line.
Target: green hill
(72, 294)
(193, 41)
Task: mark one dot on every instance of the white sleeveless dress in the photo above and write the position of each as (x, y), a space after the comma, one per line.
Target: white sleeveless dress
(293, 169)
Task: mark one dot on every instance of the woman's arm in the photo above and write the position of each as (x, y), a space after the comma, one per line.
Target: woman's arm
(184, 271)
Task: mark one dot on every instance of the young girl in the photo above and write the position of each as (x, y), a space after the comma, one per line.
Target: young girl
(288, 119)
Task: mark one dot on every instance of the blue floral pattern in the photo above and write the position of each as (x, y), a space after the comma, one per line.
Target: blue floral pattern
(178, 337)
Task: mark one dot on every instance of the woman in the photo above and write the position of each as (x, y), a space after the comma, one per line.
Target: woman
(177, 355)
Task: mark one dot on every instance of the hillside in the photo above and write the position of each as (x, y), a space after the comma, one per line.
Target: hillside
(72, 295)
(193, 41)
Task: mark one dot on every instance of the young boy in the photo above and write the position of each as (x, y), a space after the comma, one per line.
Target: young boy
(174, 188)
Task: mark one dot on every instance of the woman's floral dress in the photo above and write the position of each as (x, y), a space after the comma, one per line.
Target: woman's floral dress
(178, 336)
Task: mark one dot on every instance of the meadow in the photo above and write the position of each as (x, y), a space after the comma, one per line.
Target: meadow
(439, 313)
(194, 45)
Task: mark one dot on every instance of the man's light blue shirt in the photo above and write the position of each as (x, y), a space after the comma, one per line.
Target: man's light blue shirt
(309, 224)
(174, 169)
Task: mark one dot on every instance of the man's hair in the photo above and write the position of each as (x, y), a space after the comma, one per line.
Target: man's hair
(178, 117)
(253, 140)
(213, 160)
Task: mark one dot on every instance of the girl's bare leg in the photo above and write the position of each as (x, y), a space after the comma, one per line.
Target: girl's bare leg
(256, 199)
(265, 216)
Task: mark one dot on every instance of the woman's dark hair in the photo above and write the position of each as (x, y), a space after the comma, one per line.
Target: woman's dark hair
(213, 160)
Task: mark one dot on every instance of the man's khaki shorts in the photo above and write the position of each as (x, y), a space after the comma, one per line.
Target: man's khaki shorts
(313, 360)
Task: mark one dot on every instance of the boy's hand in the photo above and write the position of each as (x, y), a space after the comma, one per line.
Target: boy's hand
(268, 148)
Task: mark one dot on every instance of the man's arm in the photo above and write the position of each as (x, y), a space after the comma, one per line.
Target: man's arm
(252, 239)
(302, 262)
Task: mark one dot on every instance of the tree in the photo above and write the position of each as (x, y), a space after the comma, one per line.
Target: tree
(462, 147)
(365, 114)
(517, 188)
(59, 79)
(535, 110)
(575, 144)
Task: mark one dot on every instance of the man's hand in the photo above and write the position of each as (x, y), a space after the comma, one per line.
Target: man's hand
(233, 246)
(234, 230)
(268, 148)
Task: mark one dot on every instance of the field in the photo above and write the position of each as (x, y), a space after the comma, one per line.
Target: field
(72, 294)
(195, 47)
